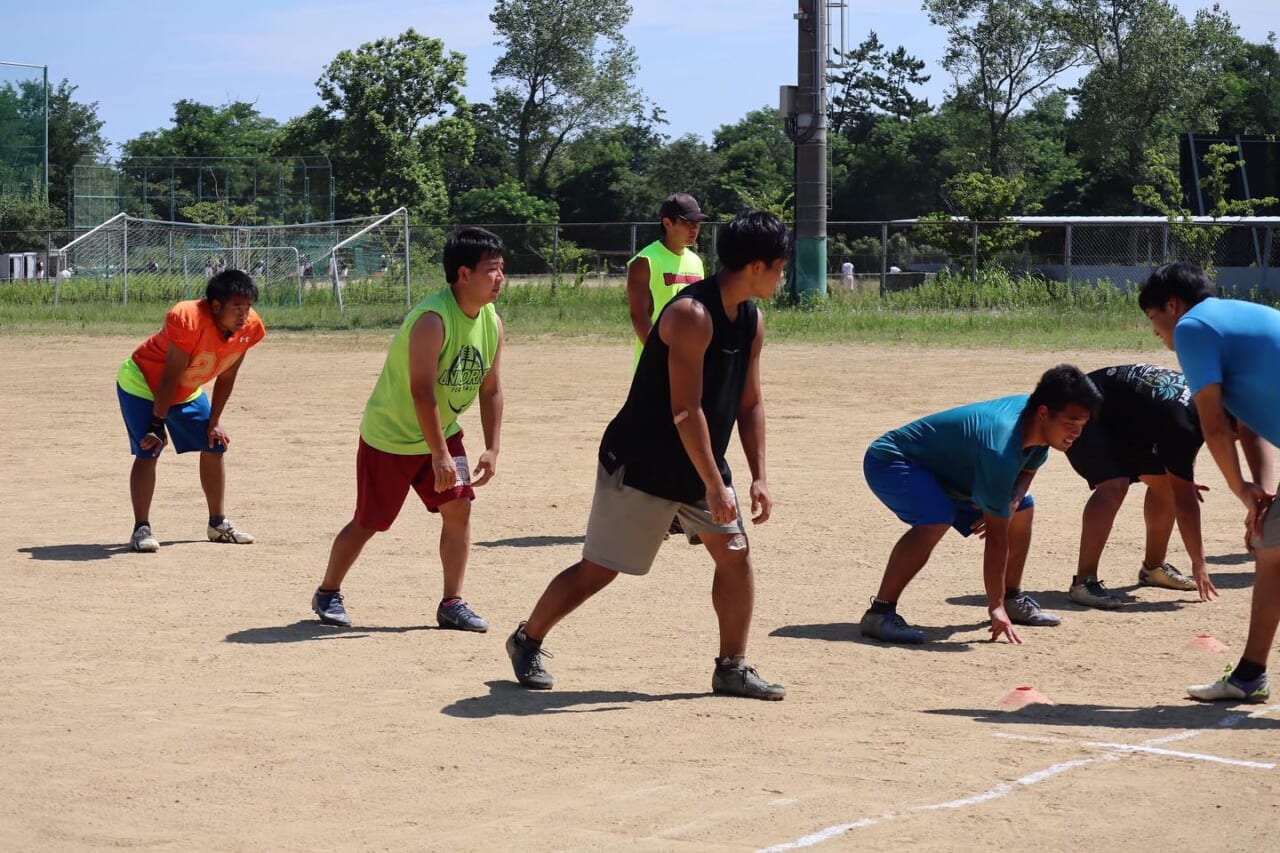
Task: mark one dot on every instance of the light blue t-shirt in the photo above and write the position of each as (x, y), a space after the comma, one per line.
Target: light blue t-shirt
(1237, 345)
(974, 451)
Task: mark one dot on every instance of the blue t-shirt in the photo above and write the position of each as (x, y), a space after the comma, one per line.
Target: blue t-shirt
(974, 451)
(1236, 345)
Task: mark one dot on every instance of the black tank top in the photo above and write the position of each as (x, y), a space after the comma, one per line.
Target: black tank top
(643, 436)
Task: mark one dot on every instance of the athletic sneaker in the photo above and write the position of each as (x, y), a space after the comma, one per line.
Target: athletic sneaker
(1165, 577)
(142, 541)
(889, 627)
(226, 532)
(526, 659)
(1229, 690)
(329, 607)
(1091, 593)
(733, 677)
(1025, 610)
(455, 613)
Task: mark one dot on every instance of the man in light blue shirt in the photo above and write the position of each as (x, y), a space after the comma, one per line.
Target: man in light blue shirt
(1230, 353)
(969, 468)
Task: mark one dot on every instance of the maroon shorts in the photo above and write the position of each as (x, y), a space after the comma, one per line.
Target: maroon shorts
(383, 481)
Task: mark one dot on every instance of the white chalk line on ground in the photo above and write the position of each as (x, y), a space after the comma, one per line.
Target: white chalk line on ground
(1145, 748)
(1117, 751)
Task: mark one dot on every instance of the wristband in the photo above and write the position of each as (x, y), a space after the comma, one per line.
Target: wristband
(157, 429)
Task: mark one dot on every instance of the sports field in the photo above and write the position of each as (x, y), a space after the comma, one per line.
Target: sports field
(188, 700)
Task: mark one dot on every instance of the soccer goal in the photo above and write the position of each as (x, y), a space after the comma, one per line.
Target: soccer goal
(362, 260)
(274, 269)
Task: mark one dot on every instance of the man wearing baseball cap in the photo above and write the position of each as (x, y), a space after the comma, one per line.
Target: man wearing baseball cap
(662, 268)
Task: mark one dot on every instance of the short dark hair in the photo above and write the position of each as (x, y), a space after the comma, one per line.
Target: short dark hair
(753, 235)
(467, 247)
(229, 283)
(1180, 280)
(1063, 386)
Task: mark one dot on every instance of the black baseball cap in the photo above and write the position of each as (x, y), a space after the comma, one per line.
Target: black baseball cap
(682, 206)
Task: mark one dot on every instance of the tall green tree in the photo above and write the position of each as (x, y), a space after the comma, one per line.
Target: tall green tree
(565, 68)
(1003, 54)
(871, 82)
(1248, 92)
(391, 118)
(1151, 73)
(757, 163)
(75, 136)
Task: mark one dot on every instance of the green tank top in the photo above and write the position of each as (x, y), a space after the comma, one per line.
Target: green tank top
(668, 274)
(466, 357)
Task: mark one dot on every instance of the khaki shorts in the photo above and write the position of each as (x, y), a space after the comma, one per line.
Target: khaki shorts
(1270, 537)
(627, 526)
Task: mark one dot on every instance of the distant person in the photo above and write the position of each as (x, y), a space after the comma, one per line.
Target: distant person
(970, 468)
(1229, 350)
(39, 268)
(445, 356)
(333, 266)
(208, 268)
(846, 275)
(160, 397)
(1146, 431)
(663, 454)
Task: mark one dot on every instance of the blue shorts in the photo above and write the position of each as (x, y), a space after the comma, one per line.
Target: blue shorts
(187, 423)
(916, 496)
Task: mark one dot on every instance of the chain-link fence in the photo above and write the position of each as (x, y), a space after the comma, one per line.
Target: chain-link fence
(24, 129)
(169, 261)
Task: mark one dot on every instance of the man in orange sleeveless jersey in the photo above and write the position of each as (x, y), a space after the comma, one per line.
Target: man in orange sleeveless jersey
(160, 393)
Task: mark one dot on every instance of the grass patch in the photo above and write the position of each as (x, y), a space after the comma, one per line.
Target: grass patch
(997, 310)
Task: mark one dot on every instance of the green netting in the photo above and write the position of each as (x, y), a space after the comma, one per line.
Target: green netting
(24, 119)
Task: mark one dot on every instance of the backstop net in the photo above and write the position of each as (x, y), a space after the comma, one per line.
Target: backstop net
(24, 121)
(128, 259)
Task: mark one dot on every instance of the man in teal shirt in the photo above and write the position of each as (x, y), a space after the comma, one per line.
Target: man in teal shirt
(969, 468)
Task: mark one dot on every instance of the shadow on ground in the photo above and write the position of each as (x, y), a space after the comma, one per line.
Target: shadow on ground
(1189, 716)
(509, 699)
(81, 553)
(848, 632)
(531, 542)
(1059, 602)
(313, 629)
(1244, 559)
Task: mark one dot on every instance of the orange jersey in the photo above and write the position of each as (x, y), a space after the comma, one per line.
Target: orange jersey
(191, 328)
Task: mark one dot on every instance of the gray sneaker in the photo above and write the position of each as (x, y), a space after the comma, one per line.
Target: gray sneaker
(143, 541)
(890, 628)
(733, 677)
(1024, 610)
(1091, 593)
(1166, 577)
(456, 614)
(526, 659)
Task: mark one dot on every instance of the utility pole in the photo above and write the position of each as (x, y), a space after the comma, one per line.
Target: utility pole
(804, 111)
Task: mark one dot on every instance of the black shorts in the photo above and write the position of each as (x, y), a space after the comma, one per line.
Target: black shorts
(1098, 456)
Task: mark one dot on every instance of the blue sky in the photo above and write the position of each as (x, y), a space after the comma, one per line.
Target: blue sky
(706, 66)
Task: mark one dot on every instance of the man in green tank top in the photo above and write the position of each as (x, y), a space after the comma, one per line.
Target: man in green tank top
(662, 268)
(443, 358)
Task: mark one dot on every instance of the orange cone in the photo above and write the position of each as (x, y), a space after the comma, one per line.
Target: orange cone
(1206, 643)
(1020, 697)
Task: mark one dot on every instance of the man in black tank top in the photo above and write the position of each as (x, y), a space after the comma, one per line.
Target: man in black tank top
(663, 455)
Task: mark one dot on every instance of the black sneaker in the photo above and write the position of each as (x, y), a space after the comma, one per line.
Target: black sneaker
(733, 677)
(454, 613)
(526, 659)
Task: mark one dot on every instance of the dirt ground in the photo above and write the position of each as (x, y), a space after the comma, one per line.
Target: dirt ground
(188, 700)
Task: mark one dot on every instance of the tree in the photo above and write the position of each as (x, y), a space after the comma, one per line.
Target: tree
(491, 162)
(1151, 73)
(981, 198)
(1003, 54)
(74, 136)
(565, 68)
(1248, 92)
(1164, 194)
(392, 117)
(686, 164)
(757, 163)
(873, 82)
(505, 203)
(25, 219)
